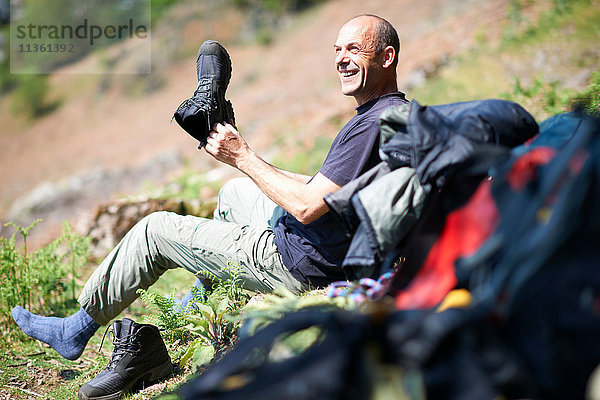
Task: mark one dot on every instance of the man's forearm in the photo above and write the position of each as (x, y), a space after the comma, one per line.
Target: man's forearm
(286, 189)
(297, 194)
(293, 175)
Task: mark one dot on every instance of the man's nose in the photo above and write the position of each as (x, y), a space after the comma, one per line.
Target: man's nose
(340, 56)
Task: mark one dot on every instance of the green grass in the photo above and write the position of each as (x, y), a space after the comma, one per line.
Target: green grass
(29, 368)
(456, 83)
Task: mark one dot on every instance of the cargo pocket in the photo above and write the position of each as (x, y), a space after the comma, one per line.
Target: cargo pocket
(272, 260)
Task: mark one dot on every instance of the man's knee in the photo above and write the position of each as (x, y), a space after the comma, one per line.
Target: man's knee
(157, 230)
(156, 222)
(231, 194)
(233, 188)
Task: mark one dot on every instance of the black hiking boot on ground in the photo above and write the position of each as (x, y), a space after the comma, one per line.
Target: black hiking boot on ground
(139, 357)
(207, 106)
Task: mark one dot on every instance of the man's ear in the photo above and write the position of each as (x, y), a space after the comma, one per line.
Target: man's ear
(389, 55)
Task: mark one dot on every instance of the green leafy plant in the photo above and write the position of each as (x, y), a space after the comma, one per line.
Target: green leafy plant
(31, 96)
(169, 318)
(24, 277)
(205, 320)
(40, 281)
(231, 288)
(544, 99)
(211, 323)
(213, 320)
(78, 250)
(10, 270)
(541, 98)
(212, 327)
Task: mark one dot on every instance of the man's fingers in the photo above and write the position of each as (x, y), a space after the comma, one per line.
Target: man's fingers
(230, 127)
(212, 141)
(211, 149)
(215, 137)
(220, 128)
(225, 128)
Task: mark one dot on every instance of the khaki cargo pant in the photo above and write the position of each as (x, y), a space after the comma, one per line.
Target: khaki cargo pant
(239, 235)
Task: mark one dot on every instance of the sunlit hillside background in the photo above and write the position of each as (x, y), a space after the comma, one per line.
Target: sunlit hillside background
(69, 142)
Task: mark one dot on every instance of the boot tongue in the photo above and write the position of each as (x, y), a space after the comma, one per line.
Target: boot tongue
(121, 339)
(126, 327)
(117, 328)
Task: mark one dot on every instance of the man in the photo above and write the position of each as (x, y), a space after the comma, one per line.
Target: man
(274, 226)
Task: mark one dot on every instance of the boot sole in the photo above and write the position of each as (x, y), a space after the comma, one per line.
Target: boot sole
(153, 375)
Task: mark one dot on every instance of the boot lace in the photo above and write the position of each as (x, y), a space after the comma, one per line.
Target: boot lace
(202, 96)
(122, 346)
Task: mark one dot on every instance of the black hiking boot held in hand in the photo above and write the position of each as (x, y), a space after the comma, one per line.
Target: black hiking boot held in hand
(139, 357)
(207, 106)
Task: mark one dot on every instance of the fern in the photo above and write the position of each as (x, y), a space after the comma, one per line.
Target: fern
(206, 316)
(45, 288)
(168, 319)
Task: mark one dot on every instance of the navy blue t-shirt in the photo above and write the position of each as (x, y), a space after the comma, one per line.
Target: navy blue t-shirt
(314, 252)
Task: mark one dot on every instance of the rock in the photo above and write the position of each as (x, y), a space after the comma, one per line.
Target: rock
(77, 196)
(415, 79)
(418, 77)
(578, 80)
(76, 191)
(114, 219)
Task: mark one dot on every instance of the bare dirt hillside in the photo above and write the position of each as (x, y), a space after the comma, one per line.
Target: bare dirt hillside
(286, 88)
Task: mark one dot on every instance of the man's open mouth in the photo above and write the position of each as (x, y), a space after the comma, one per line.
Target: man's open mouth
(346, 74)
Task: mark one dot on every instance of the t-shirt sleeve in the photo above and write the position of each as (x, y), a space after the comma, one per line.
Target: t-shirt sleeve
(349, 156)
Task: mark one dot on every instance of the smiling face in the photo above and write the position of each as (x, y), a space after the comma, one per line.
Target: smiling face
(359, 66)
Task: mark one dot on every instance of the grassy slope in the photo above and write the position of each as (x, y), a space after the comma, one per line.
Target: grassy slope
(552, 51)
(488, 70)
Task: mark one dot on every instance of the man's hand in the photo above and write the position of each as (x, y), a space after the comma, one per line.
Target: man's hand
(225, 144)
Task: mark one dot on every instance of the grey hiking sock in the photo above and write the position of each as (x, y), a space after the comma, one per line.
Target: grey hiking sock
(68, 336)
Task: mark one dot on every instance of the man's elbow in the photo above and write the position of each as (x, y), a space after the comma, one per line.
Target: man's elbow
(309, 209)
(308, 215)
(304, 219)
